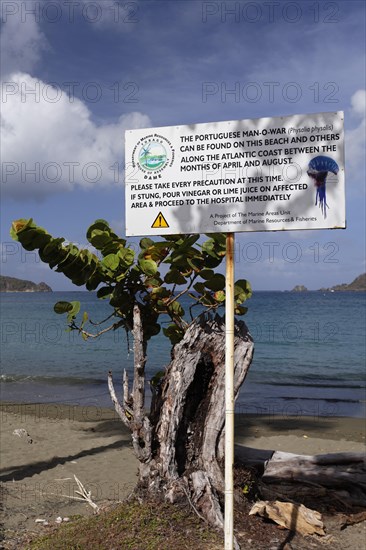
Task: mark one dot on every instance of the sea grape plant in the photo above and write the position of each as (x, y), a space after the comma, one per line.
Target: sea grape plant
(127, 278)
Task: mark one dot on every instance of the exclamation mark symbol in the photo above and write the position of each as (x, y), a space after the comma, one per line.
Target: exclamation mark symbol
(159, 222)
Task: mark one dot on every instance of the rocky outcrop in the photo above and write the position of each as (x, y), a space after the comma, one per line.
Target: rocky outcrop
(11, 284)
(299, 288)
(357, 285)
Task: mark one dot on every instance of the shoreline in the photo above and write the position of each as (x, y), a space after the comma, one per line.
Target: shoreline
(347, 427)
(254, 398)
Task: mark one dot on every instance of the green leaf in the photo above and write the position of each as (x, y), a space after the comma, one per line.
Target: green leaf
(161, 245)
(160, 292)
(127, 255)
(176, 308)
(62, 307)
(174, 277)
(99, 238)
(220, 239)
(82, 269)
(207, 300)
(73, 269)
(215, 246)
(101, 225)
(242, 290)
(51, 250)
(186, 271)
(152, 329)
(18, 226)
(240, 310)
(74, 311)
(190, 241)
(111, 262)
(28, 237)
(149, 267)
(220, 296)
(153, 282)
(121, 277)
(157, 251)
(199, 287)
(94, 281)
(104, 291)
(206, 274)
(178, 259)
(173, 238)
(146, 243)
(196, 264)
(71, 308)
(217, 282)
(41, 239)
(209, 248)
(70, 253)
(174, 333)
(83, 321)
(111, 247)
(212, 262)
(121, 298)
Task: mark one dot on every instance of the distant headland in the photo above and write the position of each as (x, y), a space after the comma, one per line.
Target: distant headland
(11, 284)
(357, 285)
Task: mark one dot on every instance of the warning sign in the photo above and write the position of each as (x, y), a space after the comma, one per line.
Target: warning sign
(159, 222)
(266, 174)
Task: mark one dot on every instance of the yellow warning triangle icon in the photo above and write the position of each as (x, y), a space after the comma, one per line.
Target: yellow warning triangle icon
(159, 222)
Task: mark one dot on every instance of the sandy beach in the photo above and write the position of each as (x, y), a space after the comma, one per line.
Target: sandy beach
(37, 470)
(58, 442)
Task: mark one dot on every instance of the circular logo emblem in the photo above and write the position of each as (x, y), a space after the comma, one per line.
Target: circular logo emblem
(152, 156)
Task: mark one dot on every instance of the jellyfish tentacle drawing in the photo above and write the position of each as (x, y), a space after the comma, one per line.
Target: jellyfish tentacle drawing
(318, 169)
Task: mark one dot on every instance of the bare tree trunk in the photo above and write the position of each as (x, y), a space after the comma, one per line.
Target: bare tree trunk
(187, 438)
(180, 443)
(131, 411)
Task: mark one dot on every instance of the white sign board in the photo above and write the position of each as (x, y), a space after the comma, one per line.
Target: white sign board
(266, 174)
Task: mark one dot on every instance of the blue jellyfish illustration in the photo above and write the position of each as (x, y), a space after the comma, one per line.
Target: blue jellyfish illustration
(318, 169)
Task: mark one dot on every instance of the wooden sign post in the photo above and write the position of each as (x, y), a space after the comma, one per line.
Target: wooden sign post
(229, 394)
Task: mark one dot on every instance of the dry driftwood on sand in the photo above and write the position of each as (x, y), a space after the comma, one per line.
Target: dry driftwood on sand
(341, 476)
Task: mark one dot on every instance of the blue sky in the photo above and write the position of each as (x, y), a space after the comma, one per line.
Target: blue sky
(77, 74)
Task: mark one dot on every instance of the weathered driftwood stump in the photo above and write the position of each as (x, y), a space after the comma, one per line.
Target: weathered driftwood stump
(336, 476)
(180, 443)
(339, 478)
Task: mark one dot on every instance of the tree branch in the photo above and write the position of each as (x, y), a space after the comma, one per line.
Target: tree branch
(115, 326)
(125, 412)
(126, 396)
(104, 320)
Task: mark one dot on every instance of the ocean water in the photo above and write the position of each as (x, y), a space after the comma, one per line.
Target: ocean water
(309, 355)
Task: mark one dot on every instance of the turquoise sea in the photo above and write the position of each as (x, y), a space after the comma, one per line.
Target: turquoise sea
(309, 353)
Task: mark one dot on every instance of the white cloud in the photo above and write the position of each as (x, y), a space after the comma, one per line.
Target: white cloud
(49, 145)
(21, 41)
(355, 139)
(358, 102)
(111, 15)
